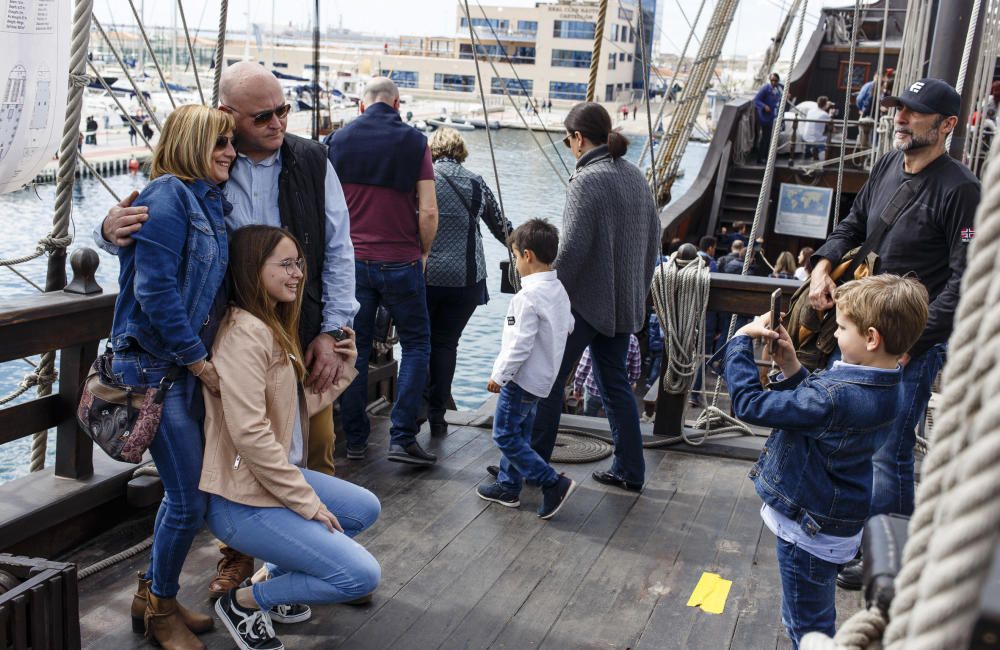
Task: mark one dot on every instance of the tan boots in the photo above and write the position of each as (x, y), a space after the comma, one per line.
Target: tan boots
(165, 621)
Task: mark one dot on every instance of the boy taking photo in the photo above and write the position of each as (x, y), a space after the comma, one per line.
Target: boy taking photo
(815, 471)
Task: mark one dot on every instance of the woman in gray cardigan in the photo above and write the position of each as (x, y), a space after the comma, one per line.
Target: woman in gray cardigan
(607, 253)
(456, 268)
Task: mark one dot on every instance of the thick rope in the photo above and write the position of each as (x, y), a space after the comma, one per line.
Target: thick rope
(132, 551)
(30, 380)
(48, 244)
(514, 279)
(680, 298)
(847, 111)
(645, 88)
(595, 57)
(220, 47)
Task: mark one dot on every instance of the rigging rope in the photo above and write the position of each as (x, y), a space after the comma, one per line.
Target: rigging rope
(220, 46)
(139, 95)
(514, 279)
(645, 88)
(131, 120)
(595, 57)
(847, 111)
(152, 54)
(194, 61)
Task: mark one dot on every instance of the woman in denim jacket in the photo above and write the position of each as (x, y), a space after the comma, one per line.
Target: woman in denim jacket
(815, 472)
(167, 284)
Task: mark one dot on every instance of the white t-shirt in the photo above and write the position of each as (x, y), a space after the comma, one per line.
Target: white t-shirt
(800, 273)
(815, 131)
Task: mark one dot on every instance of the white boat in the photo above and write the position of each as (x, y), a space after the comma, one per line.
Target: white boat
(458, 126)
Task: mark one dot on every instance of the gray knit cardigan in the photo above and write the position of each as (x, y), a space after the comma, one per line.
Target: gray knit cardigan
(610, 243)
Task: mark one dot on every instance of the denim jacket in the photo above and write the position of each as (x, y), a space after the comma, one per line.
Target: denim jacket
(168, 280)
(816, 466)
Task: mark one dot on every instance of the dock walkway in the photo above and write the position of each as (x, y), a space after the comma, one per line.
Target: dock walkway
(612, 570)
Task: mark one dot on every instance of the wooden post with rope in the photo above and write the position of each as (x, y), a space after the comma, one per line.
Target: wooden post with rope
(595, 57)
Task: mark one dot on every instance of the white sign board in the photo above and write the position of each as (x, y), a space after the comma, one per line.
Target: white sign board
(34, 74)
(803, 211)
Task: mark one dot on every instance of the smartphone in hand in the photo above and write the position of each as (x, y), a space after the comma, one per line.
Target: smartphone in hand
(775, 318)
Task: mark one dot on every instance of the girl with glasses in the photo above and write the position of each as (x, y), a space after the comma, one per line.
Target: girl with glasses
(263, 501)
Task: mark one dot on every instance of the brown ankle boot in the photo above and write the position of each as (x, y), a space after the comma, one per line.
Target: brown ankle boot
(164, 626)
(233, 568)
(195, 621)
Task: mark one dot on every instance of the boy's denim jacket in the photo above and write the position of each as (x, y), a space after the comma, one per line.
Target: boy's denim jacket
(816, 466)
(168, 280)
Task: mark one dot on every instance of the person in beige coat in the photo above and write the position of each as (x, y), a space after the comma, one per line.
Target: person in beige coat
(262, 500)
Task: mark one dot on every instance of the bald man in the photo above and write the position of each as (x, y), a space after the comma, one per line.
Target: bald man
(283, 180)
(388, 178)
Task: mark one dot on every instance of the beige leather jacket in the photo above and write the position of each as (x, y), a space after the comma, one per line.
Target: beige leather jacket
(249, 429)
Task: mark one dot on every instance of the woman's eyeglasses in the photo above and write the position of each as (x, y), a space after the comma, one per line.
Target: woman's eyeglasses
(223, 141)
(288, 265)
(262, 118)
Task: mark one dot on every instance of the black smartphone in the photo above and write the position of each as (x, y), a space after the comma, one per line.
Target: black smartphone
(775, 318)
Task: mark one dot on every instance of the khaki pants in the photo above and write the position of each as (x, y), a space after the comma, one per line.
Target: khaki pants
(321, 440)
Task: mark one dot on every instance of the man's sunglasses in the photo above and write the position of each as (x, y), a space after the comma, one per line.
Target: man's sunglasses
(260, 119)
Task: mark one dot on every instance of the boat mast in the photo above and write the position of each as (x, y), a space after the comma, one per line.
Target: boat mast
(315, 93)
(595, 57)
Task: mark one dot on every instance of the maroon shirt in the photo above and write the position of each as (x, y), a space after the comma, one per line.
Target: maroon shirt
(385, 222)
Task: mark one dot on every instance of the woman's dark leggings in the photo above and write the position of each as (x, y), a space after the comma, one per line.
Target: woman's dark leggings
(450, 309)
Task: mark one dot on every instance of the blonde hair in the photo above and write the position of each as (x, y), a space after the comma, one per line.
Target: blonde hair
(188, 140)
(785, 263)
(895, 306)
(447, 143)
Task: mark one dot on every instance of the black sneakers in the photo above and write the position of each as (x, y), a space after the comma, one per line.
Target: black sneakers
(411, 454)
(356, 453)
(555, 495)
(607, 478)
(493, 492)
(493, 470)
(295, 613)
(250, 628)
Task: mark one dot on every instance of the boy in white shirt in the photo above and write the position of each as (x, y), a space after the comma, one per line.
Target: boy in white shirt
(537, 324)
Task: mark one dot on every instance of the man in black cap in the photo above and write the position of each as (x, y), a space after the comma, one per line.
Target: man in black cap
(929, 238)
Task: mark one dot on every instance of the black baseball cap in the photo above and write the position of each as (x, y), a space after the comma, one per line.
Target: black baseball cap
(927, 96)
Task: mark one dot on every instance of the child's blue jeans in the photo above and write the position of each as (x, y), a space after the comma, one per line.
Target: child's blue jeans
(512, 425)
(808, 592)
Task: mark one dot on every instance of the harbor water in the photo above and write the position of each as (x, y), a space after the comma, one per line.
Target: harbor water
(529, 186)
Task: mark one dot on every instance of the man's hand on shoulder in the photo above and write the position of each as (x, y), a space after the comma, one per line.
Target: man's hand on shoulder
(123, 221)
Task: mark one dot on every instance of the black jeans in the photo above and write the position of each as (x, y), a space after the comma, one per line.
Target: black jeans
(450, 309)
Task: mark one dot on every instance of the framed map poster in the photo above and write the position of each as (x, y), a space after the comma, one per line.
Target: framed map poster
(803, 211)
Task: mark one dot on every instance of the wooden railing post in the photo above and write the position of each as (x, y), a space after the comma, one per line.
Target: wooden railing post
(74, 450)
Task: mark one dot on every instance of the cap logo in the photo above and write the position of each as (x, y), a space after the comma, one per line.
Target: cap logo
(916, 86)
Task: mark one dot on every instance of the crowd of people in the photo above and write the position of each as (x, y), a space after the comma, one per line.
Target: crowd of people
(256, 261)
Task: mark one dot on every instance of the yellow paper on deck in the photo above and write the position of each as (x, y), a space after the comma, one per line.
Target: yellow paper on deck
(710, 593)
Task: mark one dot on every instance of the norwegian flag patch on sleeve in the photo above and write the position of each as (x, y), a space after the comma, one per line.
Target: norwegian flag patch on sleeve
(968, 234)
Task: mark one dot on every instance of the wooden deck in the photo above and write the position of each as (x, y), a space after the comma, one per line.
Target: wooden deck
(612, 570)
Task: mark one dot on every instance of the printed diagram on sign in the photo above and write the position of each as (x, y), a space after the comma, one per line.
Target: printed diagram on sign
(11, 107)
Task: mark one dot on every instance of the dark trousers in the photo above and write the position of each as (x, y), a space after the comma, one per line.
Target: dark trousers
(450, 309)
(608, 354)
(763, 140)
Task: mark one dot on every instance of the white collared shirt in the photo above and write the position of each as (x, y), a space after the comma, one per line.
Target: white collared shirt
(536, 326)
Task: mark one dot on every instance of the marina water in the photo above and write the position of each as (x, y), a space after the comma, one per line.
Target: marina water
(528, 184)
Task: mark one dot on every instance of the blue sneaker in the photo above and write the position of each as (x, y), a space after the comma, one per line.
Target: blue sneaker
(493, 492)
(555, 495)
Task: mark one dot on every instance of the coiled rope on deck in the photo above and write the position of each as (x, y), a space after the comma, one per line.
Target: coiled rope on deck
(955, 528)
(680, 298)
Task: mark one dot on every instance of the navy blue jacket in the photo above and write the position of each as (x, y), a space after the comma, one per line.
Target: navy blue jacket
(769, 96)
(816, 466)
(168, 280)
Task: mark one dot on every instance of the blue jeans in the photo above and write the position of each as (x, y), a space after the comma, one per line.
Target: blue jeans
(892, 481)
(592, 404)
(307, 563)
(512, 423)
(400, 287)
(177, 451)
(608, 354)
(808, 592)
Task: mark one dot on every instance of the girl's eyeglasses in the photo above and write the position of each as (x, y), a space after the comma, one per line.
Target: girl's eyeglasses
(288, 265)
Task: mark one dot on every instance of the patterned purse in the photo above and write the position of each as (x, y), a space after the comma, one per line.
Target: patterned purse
(121, 419)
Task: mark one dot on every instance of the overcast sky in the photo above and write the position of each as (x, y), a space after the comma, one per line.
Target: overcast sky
(756, 20)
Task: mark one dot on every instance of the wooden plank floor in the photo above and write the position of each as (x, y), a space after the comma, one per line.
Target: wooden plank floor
(612, 570)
